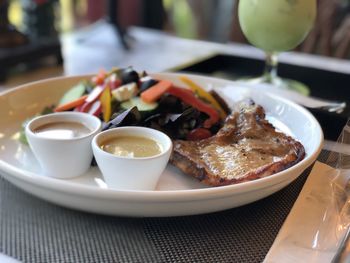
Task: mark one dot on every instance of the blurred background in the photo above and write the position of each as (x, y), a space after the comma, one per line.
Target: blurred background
(45, 38)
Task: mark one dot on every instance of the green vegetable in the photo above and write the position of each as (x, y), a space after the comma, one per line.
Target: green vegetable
(72, 94)
(22, 135)
(47, 110)
(141, 105)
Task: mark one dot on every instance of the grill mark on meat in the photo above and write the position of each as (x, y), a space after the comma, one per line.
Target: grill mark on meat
(246, 148)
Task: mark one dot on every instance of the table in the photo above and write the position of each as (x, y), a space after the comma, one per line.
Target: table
(104, 51)
(33, 230)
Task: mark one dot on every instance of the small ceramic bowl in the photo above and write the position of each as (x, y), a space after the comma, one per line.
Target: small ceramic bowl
(132, 173)
(63, 157)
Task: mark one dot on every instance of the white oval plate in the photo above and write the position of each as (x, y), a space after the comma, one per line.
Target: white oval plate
(177, 194)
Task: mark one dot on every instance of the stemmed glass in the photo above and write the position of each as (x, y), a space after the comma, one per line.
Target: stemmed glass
(275, 26)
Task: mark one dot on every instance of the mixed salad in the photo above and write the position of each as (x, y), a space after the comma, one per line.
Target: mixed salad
(123, 97)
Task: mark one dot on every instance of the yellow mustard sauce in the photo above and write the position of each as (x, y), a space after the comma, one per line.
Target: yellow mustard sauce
(131, 146)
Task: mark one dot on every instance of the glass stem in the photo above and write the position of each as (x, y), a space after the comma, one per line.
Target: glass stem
(270, 72)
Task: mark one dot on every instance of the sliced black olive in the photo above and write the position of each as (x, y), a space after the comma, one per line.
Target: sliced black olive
(144, 74)
(129, 75)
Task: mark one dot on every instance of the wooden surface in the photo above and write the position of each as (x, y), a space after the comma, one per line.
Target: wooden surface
(30, 76)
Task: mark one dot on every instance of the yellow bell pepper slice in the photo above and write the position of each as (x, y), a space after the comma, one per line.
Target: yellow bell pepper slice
(106, 102)
(205, 95)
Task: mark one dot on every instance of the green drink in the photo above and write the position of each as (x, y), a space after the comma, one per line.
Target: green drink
(276, 25)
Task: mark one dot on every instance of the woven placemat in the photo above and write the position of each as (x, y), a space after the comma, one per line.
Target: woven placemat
(32, 230)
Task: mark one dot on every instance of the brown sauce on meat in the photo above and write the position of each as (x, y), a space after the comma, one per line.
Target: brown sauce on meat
(236, 159)
(247, 147)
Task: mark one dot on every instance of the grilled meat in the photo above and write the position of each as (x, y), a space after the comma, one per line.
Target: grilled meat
(246, 148)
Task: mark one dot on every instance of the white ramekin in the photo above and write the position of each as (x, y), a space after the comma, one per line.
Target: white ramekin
(128, 173)
(63, 158)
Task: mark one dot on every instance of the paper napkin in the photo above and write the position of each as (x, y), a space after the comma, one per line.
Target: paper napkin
(314, 227)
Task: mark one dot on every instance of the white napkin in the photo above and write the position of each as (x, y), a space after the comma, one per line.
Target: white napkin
(313, 229)
(306, 101)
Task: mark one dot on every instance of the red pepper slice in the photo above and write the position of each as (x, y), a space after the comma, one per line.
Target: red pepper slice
(99, 79)
(78, 108)
(92, 97)
(198, 134)
(191, 99)
(114, 82)
(95, 94)
(85, 107)
(95, 109)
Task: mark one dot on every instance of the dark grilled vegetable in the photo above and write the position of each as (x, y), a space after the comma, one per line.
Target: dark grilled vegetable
(129, 117)
(176, 125)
